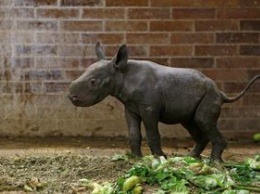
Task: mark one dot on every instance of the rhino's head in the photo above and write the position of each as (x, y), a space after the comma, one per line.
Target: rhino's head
(98, 81)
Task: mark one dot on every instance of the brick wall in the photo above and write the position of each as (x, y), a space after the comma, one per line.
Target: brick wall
(44, 44)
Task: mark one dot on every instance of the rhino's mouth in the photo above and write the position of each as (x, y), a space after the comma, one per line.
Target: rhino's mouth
(76, 101)
(83, 102)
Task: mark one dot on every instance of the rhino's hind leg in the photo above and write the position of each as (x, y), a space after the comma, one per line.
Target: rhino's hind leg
(206, 117)
(201, 140)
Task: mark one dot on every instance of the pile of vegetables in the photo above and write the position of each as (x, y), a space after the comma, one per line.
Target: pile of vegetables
(183, 175)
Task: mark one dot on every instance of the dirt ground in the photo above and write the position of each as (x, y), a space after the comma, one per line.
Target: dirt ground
(109, 146)
(55, 165)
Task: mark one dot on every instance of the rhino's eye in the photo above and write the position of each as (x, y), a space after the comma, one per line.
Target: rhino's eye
(93, 83)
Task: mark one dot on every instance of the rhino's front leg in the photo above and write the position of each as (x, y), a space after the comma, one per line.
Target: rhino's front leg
(134, 127)
(150, 120)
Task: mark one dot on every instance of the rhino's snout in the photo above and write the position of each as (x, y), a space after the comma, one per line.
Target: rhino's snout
(76, 101)
(73, 98)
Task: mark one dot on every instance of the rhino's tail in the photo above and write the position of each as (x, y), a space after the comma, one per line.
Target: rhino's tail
(227, 99)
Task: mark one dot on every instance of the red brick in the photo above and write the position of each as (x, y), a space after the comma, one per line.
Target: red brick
(216, 3)
(45, 47)
(126, 3)
(160, 60)
(123, 25)
(83, 25)
(57, 13)
(104, 13)
(172, 3)
(240, 124)
(4, 53)
(23, 37)
(34, 2)
(4, 12)
(253, 72)
(36, 50)
(6, 2)
(216, 50)
(148, 13)
(237, 37)
(238, 62)
(7, 88)
(6, 24)
(216, 25)
(238, 135)
(22, 12)
(57, 62)
(46, 62)
(251, 50)
(57, 38)
(110, 51)
(36, 74)
(105, 38)
(171, 25)
(23, 63)
(35, 87)
(67, 63)
(45, 99)
(37, 25)
(226, 74)
(134, 51)
(171, 51)
(250, 25)
(249, 3)
(12, 87)
(85, 62)
(138, 51)
(76, 51)
(6, 75)
(240, 112)
(192, 62)
(236, 13)
(147, 38)
(81, 2)
(240, 86)
(31, 87)
(193, 13)
(192, 38)
(55, 87)
(73, 74)
(252, 100)
(5, 37)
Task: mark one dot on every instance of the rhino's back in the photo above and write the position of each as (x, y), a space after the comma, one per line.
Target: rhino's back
(180, 90)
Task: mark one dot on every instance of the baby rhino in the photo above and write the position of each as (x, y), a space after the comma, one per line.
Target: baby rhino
(152, 93)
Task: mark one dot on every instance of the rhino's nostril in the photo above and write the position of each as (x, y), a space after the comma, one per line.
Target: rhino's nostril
(74, 98)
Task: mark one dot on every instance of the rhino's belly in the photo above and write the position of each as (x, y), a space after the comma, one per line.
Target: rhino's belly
(175, 118)
(178, 113)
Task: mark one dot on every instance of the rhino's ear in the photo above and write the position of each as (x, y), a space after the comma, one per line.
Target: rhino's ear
(121, 58)
(99, 51)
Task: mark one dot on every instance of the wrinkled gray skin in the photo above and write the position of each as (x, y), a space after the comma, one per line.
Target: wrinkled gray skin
(153, 93)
